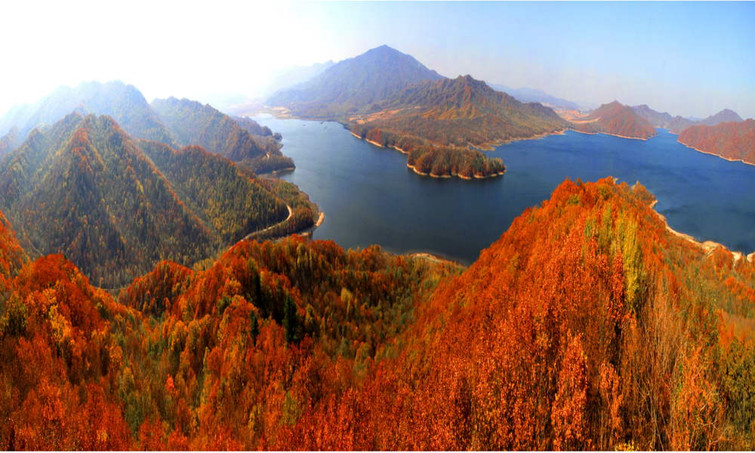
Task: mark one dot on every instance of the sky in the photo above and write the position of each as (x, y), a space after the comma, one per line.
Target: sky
(692, 59)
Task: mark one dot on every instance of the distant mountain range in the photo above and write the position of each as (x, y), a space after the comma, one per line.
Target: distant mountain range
(124, 103)
(116, 205)
(731, 140)
(351, 86)
(391, 99)
(172, 122)
(534, 95)
(677, 123)
(663, 120)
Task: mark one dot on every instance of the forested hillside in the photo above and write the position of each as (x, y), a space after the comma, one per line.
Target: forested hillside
(437, 122)
(615, 119)
(733, 141)
(116, 206)
(587, 325)
(240, 140)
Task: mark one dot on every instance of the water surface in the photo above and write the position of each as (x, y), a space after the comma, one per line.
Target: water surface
(370, 197)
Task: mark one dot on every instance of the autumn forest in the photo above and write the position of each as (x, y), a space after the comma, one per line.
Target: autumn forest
(299, 344)
(292, 236)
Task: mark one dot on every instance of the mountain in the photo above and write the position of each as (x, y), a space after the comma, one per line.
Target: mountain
(296, 75)
(587, 315)
(733, 141)
(173, 122)
(240, 140)
(453, 114)
(677, 123)
(534, 95)
(663, 120)
(8, 142)
(115, 206)
(615, 119)
(353, 85)
(724, 116)
(123, 102)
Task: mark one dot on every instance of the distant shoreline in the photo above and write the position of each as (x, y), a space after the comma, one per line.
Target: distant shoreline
(717, 155)
(612, 135)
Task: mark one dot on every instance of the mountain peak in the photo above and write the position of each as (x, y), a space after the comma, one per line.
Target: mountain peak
(353, 85)
(724, 116)
(385, 48)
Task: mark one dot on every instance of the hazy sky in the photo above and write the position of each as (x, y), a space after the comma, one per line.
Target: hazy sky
(684, 58)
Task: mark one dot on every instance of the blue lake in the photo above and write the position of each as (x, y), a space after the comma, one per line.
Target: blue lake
(370, 197)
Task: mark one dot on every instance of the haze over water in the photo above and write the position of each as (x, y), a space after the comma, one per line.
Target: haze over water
(370, 197)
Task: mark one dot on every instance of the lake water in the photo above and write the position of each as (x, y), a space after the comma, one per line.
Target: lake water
(370, 197)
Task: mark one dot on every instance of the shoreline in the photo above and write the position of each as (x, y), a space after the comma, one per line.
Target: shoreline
(277, 172)
(706, 246)
(373, 143)
(432, 175)
(320, 220)
(612, 135)
(434, 258)
(716, 155)
(491, 146)
(466, 178)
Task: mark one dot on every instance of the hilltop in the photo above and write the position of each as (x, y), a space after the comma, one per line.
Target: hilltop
(352, 85)
(586, 315)
(677, 123)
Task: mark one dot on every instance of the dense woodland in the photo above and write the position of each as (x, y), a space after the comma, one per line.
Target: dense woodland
(587, 325)
(426, 158)
(116, 206)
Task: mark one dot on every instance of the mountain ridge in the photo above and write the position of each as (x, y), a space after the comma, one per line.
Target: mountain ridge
(584, 315)
(239, 140)
(84, 187)
(437, 122)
